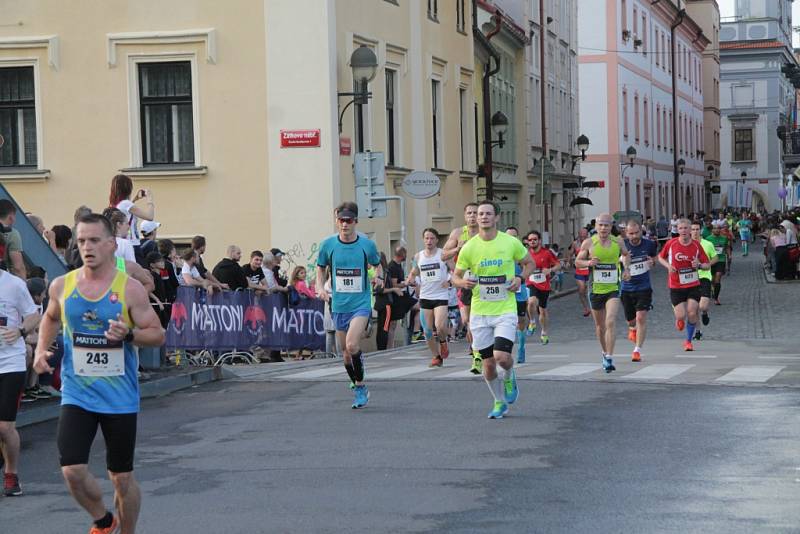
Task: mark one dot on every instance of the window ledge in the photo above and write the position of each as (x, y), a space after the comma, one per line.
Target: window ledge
(23, 174)
(740, 161)
(165, 172)
(441, 173)
(467, 176)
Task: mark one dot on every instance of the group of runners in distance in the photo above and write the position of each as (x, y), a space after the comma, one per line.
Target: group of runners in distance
(503, 283)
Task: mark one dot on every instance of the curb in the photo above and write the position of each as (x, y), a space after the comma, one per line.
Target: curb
(148, 390)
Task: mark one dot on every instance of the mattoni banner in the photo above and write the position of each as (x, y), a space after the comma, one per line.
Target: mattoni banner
(242, 319)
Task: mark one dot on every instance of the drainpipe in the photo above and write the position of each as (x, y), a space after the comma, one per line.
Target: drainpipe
(483, 41)
(675, 175)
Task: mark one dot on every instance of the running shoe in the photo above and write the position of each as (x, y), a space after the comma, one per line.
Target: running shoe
(587, 312)
(417, 336)
(680, 324)
(608, 364)
(545, 340)
(361, 397)
(477, 364)
(705, 318)
(531, 328)
(687, 346)
(698, 335)
(436, 362)
(632, 334)
(716, 301)
(499, 410)
(510, 388)
(352, 385)
(636, 356)
(444, 350)
(11, 487)
(113, 529)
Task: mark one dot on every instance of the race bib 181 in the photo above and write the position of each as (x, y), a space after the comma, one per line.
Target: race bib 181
(348, 281)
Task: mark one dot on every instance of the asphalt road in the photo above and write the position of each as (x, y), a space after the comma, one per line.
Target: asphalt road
(267, 452)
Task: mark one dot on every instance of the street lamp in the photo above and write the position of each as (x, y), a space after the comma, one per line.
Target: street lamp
(583, 145)
(743, 176)
(364, 64)
(631, 154)
(499, 128)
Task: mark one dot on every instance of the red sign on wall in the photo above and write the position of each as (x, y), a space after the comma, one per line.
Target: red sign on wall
(763, 181)
(344, 146)
(299, 138)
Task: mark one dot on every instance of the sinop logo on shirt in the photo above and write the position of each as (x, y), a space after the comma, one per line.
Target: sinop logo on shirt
(492, 263)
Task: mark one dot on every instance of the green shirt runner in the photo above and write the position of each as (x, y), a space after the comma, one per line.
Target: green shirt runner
(720, 243)
(711, 252)
(605, 275)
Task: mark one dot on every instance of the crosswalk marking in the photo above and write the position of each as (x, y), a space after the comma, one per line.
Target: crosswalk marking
(399, 371)
(751, 373)
(658, 372)
(696, 356)
(315, 373)
(573, 369)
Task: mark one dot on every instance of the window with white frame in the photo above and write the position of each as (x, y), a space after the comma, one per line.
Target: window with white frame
(166, 113)
(460, 15)
(18, 117)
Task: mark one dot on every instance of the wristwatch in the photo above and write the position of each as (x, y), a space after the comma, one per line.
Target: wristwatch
(23, 333)
(129, 336)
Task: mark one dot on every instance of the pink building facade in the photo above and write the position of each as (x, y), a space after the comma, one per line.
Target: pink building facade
(626, 101)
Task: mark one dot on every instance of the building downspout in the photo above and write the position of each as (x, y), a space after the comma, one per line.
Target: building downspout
(483, 41)
(675, 175)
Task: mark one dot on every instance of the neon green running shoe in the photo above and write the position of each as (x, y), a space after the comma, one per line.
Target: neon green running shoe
(498, 410)
(510, 388)
(545, 340)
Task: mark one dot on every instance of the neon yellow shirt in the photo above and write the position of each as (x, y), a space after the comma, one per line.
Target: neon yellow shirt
(711, 252)
(492, 262)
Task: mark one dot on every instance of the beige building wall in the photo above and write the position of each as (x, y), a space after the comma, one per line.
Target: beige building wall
(419, 50)
(258, 67)
(85, 76)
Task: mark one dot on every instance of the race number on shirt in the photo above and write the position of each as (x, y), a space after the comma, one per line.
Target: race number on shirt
(492, 288)
(639, 266)
(95, 355)
(687, 275)
(430, 272)
(538, 277)
(606, 273)
(348, 281)
(719, 250)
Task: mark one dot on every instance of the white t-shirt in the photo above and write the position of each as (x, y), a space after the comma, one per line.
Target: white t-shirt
(125, 250)
(125, 207)
(269, 276)
(192, 271)
(15, 304)
(673, 226)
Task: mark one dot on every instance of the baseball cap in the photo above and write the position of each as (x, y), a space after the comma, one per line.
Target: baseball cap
(149, 227)
(277, 252)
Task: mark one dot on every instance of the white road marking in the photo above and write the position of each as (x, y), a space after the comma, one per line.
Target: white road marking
(418, 357)
(546, 356)
(315, 373)
(658, 372)
(779, 357)
(398, 372)
(573, 369)
(751, 373)
(696, 356)
(463, 373)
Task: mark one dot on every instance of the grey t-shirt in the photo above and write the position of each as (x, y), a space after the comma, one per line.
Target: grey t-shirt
(13, 244)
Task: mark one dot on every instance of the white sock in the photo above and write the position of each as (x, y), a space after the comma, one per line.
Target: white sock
(495, 388)
(637, 348)
(506, 373)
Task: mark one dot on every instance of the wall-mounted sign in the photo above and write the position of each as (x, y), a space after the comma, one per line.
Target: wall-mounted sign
(345, 146)
(763, 181)
(420, 184)
(716, 189)
(299, 138)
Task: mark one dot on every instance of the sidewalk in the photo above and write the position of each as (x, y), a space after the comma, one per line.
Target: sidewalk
(153, 384)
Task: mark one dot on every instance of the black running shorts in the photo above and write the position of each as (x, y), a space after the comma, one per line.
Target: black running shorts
(634, 301)
(11, 386)
(719, 267)
(77, 428)
(522, 308)
(598, 302)
(426, 304)
(679, 296)
(705, 288)
(539, 295)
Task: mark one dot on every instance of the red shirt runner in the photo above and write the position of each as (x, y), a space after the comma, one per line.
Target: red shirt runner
(544, 259)
(680, 256)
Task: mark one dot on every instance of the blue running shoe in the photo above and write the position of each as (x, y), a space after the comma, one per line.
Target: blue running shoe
(361, 397)
(499, 410)
(510, 388)
(608, 364)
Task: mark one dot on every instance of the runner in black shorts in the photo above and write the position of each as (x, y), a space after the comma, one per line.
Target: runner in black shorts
(637, 292)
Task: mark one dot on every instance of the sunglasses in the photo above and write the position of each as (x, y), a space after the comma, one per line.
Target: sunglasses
(346, 220)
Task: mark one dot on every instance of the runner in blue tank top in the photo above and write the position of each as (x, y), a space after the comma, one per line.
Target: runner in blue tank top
(103, 313)
(637, 293)
(348, 255)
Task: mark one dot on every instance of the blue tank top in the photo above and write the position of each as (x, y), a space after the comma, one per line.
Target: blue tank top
(96, 374)
(640, 279)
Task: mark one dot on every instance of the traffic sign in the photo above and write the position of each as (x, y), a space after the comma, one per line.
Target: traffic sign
(370, 177)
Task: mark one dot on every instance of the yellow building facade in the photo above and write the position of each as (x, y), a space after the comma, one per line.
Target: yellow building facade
(190, 99)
